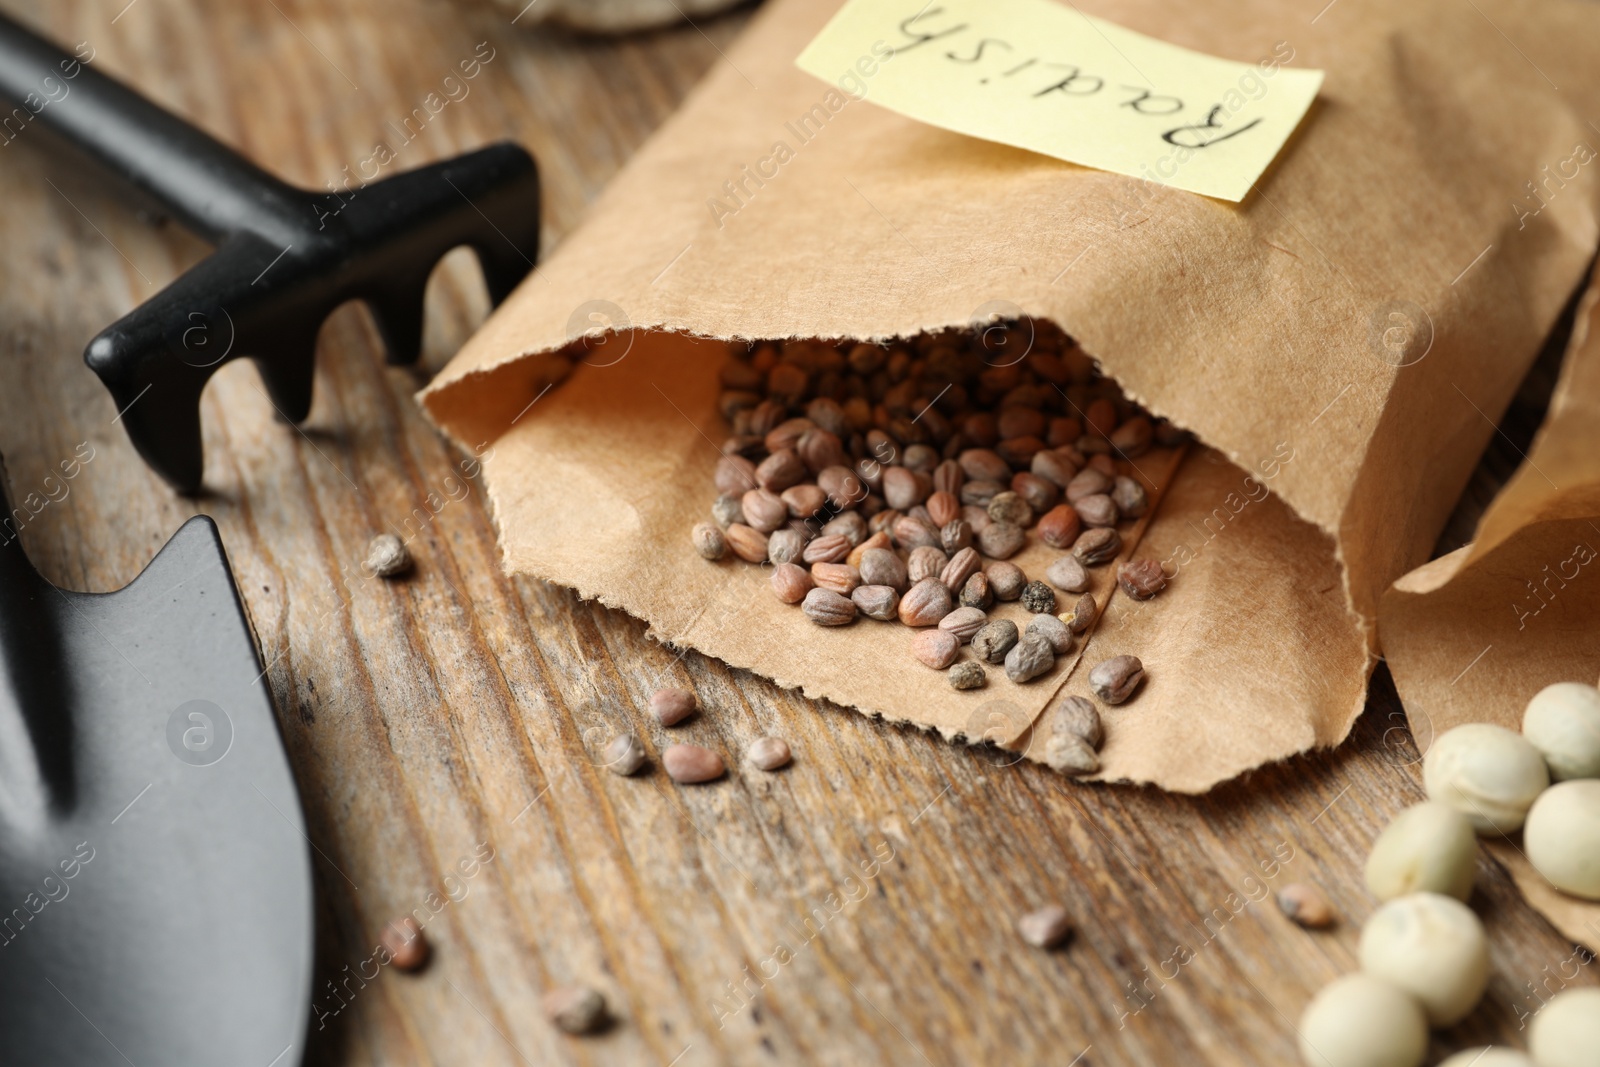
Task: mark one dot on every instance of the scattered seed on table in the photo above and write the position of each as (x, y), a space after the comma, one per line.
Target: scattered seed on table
(1060, 526)
(691, 763)
(956, 535)
(876, 601)
(709, 541)
(672, 706)
(1115, 679)
(1130, 498)
(1306, 905)
(1030, 657)
(1006, 580)
(839, 577)
(1045, 928)
(1096, 510)
(1053, 630)
(936, 648)
(1070, 754)
(1009, 507)
(387, 556)
(994, 640)
(827, 608)
(925, 603)
(963, 623)
(768, 753)
(913, 531)
(880, 566)
(963, 565)
(577, 1010)
(624, 755)
(1096, 546)
(858, 554)
(832, 548)
(1038, 598)
(726, 510)
(1141, 578)
(848, 525)
(1068, 575)
(1078, 716)
(1083, 613)
(1002, 540)
(791, 582)
(967, 675)
(1088, 482)
(405, 943)
(925, 561)
(748, 543)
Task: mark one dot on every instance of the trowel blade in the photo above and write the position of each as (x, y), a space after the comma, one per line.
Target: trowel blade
(155, 880)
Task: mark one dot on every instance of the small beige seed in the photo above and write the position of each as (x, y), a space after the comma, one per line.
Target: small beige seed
(1045, 928)
(405, 943)
(624, 755)
(1114, 680)
(1068, 575)
(1006, 580)
(880, 566)
(1079, 717)
(936, 648)
(748, 543)
(963, 565)
(827, 608)
(1030, 657)
(577, 1010)
(963, 623)
(925, 562)
(709, 541)
(1306, 905)
(1070, 754)
(925, 603)
(967, 675)
(691, 763)
(1002, 540)
(768, 753)
(1096, 510)
(994, 640)
(839, 577)
(791, 582)
(876, 601)
(387, 556)
(1083, 614)
(1053, 630)
(785, 546)
(672, 706)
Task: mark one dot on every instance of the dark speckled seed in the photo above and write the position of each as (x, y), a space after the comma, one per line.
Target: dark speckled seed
(1038, 598)
(967, 675)
(994, 640)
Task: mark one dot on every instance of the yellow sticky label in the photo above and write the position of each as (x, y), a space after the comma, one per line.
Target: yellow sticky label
(1043, 76)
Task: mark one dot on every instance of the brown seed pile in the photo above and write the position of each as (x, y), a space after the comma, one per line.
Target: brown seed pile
(894, 481)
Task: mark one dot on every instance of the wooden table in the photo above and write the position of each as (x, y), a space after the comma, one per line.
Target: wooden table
(855, 908)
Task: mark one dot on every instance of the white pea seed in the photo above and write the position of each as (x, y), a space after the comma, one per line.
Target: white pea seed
(1566, 1031)
(1563, 723)
(1488, 1057)
(1045, 928)
(1362, 1021)
(1562, 837)
(1428, 848)
(768, 753)
(387, 556)
(1488, 773)
(1434, 948)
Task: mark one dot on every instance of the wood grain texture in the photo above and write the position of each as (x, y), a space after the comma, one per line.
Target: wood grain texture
(427, 716)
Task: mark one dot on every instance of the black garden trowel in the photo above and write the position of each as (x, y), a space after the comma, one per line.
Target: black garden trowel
(155, 884)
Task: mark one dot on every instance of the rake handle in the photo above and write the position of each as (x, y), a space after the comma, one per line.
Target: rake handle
(196, 179)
